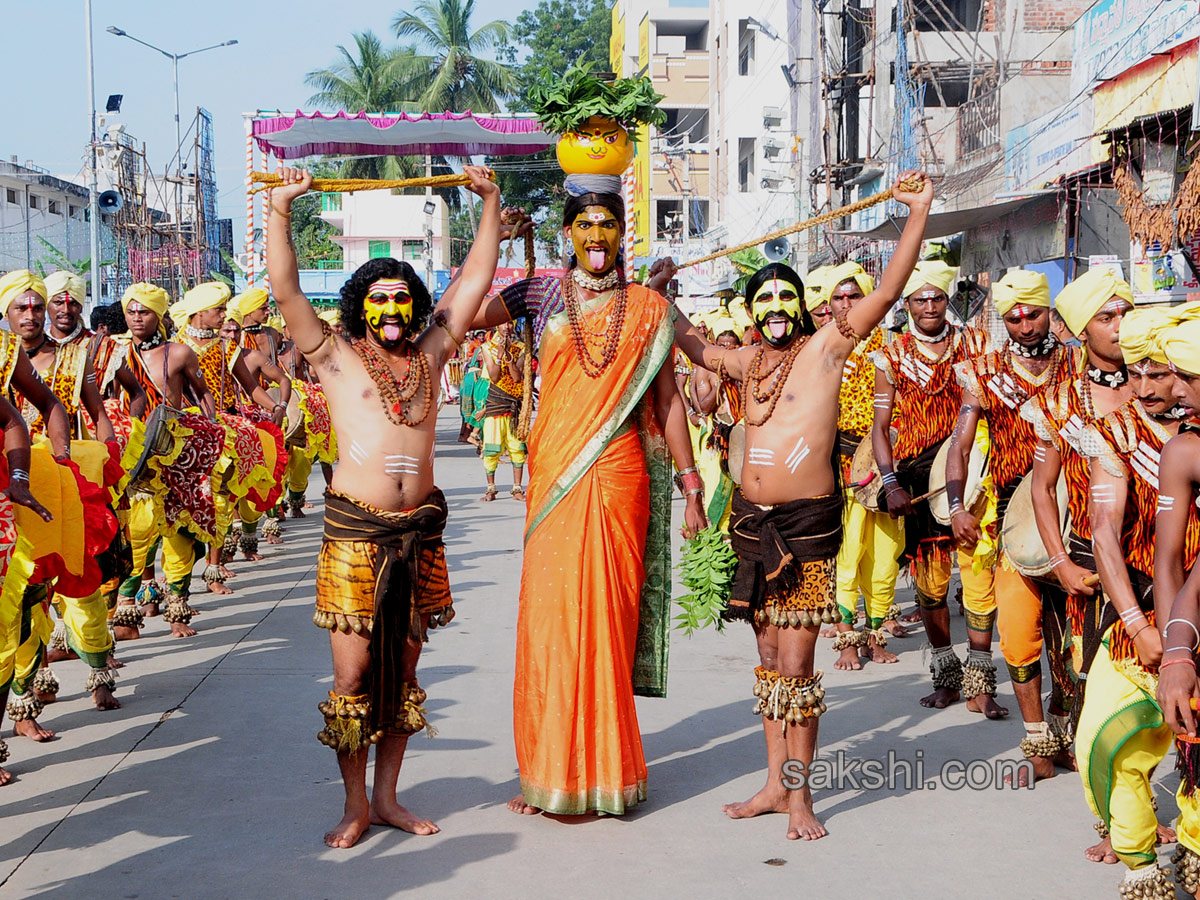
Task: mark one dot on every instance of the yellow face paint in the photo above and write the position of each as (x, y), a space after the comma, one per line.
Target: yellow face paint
(777, 298)
(596, 237)
(388, 298)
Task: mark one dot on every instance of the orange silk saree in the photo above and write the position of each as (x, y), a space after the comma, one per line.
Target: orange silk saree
(594, 604)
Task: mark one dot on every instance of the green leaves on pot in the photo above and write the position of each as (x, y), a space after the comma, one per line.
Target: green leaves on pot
(706, 566)
(564, 104)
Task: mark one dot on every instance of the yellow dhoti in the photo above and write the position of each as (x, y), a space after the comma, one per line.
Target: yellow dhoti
(868, 562)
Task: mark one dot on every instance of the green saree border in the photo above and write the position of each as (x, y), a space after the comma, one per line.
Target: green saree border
(1116, 731)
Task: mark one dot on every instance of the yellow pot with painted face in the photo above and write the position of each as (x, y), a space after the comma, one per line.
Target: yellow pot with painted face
(598, 147)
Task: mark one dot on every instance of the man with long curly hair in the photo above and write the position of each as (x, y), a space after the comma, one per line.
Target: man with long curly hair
(381, 575)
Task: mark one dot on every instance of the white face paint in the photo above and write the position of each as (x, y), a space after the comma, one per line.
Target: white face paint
(799, 452)
(758, 456)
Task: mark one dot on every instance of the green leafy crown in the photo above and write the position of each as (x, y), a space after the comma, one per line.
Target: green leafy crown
(563, 104)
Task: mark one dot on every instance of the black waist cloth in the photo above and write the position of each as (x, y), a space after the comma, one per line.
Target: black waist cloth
(500, 403)
(400, 537)
(770, 542)
(913, 475)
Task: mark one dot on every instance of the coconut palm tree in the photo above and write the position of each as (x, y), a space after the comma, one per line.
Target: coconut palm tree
(374, 78)
(459, 79)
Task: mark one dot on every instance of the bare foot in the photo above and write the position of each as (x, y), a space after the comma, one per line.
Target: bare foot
(114, 663)
(354, 825)
(150, 610)
(771, 799)
(488, 496)
(252, 557)
(912, 617)
(307, 505)
(803, 825)
(877, 654)
(848, 659)
(895, 629)
(940, 698)
(46, 697)
(1102, 853)
(518, 805)
(178, 629)
(5, 777)
(54, 655)
(227, 572)
(1164, 835)
(829, 631)
(1043, 768)
(392, 813)
(1065, 759)
(986, 704)
(104, 699)
(31, 729)
(126, 633)
(215, 587)
(298, 513)
(274, 539)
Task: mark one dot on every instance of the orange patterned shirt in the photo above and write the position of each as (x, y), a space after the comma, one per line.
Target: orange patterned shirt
(928, 395)
(217, 359)
(65, 379)
(1002, 385)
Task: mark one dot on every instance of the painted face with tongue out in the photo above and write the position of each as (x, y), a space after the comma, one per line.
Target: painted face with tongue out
(388, 309)
(776, 311)
(596, 236)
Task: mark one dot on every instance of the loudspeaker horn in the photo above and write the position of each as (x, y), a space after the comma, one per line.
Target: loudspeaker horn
(110, 201)
(777, 249)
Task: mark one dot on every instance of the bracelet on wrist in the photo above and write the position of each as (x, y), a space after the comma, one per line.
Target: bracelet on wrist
(1189, 623)
(1175, 662)
(1134, 636)
(278, 211)
(694, 492)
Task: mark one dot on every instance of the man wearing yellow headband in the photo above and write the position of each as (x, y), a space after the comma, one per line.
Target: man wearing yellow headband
(995, 387)
(384, 516)
(169, 373)
(1125, 447)
(816, 297)
(872, 540)
(787, 512)
(1093, 309)
(915, 387)
(1179, 588)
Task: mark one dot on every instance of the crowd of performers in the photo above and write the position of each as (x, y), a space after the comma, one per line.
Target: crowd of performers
(1055, 463)
(160, 430)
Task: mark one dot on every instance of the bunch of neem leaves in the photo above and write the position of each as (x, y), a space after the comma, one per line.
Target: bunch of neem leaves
(706, 566)
(564, 104)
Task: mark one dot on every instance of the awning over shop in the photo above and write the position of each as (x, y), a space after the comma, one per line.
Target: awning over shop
(944, 223)
(359, 134)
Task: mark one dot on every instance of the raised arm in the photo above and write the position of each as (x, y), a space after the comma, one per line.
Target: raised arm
(869, 312)
(306, 329)
(964, 525)
(461, 302)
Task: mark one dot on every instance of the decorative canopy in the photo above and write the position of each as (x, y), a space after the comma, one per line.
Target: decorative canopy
(362, 134)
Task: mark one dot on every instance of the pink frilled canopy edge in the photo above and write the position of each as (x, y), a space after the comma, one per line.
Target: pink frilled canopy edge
(439, 134)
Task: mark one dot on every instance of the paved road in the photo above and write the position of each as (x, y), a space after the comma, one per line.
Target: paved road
(209, 781)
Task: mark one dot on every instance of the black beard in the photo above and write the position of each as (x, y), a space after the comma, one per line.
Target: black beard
(778, 343)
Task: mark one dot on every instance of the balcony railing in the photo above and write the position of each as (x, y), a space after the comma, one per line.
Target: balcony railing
(979, 124)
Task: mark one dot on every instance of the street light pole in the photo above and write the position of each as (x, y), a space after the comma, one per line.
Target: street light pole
(93, 204)
(175, 58)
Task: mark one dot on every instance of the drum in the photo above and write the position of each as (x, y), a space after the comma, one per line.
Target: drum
(159, 442)
(455, 370)
(865, 482)
(294, 435)
(737, 451)
(977, 468)
(1019, 536)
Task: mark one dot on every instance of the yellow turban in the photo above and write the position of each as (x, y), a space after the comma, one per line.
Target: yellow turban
(933, 272)
(1142, 331)
(847, 271)
(1181, 341)
(737, 309)
(329, 315)
(207, 295)
(150, 296)
(249, 301)
(16, 283)
(234, 314)
(57, 282)
(1020, 287)
(814, 283)
(275, 322)
(721, 321)
(1087, 295)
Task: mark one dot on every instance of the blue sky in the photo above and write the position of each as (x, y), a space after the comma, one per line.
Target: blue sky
(43, 108)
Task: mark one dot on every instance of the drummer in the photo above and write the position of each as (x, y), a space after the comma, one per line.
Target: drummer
(67, 369)
(872, 541)
(1125, 447)
(995, 386)
(1179, 482)
(264, 370)
(168, 372)
(915, 386)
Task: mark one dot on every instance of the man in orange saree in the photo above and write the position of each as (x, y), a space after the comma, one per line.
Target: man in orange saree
(595, 592)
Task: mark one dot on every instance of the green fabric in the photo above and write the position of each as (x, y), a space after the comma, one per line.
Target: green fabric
(654, 610)
(1112, 736)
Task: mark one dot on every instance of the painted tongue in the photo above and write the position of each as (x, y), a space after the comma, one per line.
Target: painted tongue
(777, 327)
(596, 260)
(391, 332)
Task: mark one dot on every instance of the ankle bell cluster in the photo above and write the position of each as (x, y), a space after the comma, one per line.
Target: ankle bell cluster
(791, 699)
(1148, 883)
(178, 610)
(946, 669)
(45, 681)
(978, 674)
(346, 726)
